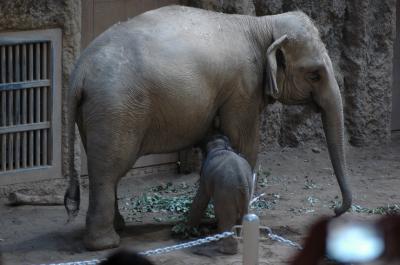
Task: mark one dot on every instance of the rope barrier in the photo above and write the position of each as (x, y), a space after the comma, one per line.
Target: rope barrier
(158, 251)
(190, 244)
(250, 231)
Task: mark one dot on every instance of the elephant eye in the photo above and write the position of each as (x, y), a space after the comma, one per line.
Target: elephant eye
(314, 76)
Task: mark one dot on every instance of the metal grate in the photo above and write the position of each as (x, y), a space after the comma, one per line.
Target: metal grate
(27, 92)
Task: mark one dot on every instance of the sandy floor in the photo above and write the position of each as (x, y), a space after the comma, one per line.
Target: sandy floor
(299, 182)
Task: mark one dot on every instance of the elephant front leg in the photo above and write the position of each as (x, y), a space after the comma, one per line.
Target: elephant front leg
(226, 213)
(119, 222)
(242, 130)
(199, 206)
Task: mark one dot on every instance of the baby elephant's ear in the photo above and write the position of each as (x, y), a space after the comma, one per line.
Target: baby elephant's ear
(271, 88)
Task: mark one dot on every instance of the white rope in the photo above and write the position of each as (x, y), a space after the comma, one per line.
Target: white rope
(157, 251)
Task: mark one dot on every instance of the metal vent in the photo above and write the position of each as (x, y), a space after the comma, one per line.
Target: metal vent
(29, 88)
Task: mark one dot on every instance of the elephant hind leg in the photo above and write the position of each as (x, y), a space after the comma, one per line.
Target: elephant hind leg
(110, 156)
(100, 231)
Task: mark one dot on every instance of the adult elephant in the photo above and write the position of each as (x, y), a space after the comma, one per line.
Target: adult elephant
(155, 83)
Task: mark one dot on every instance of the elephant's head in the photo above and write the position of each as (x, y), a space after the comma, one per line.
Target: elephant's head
(299, 71)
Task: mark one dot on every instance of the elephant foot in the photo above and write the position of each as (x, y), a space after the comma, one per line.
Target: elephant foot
(119, 222)
(228, 246)
(98, 240)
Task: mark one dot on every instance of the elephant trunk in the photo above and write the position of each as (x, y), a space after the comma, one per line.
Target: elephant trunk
(330, 101)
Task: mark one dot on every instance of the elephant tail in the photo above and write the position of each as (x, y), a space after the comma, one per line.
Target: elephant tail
(72, 195)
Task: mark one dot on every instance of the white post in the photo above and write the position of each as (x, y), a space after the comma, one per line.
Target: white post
(251, 236)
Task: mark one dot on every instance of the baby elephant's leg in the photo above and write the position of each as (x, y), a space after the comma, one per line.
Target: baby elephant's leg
(227, 215)
(198, 207)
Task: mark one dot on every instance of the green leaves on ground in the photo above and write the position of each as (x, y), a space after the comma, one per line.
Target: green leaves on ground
(382, 210)
(262, 177)
(172, 202)
(169, 201)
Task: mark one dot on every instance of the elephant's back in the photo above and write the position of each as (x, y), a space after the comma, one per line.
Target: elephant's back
(171, 33)
(227, 178)
(170, 45)
(229, 170)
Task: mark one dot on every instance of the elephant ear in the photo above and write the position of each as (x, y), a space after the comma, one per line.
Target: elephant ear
(272, 67)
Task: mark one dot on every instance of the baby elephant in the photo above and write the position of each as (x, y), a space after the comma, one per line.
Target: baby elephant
(226, 178)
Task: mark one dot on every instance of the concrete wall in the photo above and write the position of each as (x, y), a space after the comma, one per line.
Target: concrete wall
(396, 75)
(18, 15)
(359, 36)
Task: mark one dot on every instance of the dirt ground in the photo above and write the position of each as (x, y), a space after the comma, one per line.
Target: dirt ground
(298, 182)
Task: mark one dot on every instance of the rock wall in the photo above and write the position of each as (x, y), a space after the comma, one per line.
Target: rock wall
(18, 15)
(359, 37)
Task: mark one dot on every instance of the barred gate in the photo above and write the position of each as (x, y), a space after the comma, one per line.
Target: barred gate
(30, 105)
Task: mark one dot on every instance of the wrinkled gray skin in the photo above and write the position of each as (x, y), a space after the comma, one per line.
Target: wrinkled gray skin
(154, 84)
(226, 179)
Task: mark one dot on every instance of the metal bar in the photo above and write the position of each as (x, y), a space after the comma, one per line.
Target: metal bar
(10, 76)
(10, 79)
(17, 150)
(17, 67)
(26, 170)
(24, 108)
(251, 238)
(3, 64)
(44, 103)
(10, 99)
(25, 127)
(17, 109)
(24, 84)
(30, 111)
(3, 109)
(37, 104)
(10, 151)
(5, 40)
(2, 163)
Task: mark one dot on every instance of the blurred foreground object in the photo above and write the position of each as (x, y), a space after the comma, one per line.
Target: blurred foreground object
(125, 257)
(354, 242)
(347, 241)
